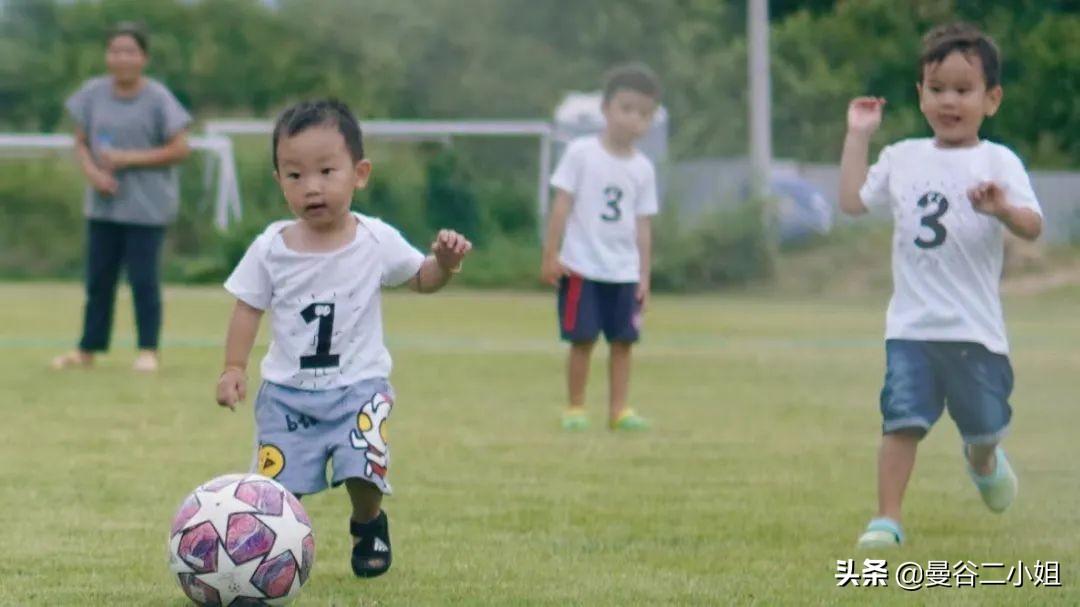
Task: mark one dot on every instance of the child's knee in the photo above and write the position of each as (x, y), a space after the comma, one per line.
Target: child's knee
(583, 347)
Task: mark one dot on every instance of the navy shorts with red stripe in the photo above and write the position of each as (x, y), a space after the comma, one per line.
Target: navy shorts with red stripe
(587, 307)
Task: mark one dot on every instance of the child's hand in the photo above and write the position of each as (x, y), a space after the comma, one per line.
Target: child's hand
(231, 387)
(864, 114)
(642, 295)
(551, 271)
(988, 198)
(104, 182)
(449, 249)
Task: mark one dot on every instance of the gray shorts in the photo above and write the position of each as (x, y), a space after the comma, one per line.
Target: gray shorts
(299, 431)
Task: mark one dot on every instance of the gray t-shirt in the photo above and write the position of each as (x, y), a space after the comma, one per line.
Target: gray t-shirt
(146, 195)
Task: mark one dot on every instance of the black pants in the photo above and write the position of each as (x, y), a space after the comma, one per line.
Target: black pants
(138, 248)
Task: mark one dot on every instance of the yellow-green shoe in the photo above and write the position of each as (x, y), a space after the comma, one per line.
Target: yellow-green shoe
(630, 421)
(574, 419)
(998, 489)
(882, 533)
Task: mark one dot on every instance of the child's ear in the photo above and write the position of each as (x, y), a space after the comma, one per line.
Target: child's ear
(993, 100)
(277, 178)
(363, 171)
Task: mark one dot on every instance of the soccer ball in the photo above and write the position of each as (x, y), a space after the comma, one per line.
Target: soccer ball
(240, 540)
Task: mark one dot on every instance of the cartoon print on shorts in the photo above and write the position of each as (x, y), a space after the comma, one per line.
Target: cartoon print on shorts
(370, 434)
(271, 460)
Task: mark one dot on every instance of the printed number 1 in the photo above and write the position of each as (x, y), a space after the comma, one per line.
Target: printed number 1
(324, 313)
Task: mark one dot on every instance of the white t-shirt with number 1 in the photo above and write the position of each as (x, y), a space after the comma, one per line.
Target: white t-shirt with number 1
(325, 308)
(610, 193)
(946, 257)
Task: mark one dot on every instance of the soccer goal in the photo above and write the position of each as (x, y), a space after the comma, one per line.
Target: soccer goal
(219, 173)
(416, 131)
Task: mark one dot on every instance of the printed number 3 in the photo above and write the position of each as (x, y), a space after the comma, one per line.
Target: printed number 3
(612, 196)
(932, 220)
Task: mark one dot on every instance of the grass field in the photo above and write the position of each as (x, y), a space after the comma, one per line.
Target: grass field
(757, 477)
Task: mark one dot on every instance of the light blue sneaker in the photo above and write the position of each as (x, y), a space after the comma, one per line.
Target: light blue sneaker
(882, 532)
(999, 488)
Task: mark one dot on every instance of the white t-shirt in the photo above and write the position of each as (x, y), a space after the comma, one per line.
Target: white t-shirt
(325, 308)
(610, 193)
(946, 257)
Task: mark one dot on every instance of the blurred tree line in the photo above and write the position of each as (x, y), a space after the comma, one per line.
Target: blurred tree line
(451, 59)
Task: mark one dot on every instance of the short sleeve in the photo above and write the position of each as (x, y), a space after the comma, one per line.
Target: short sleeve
(648, 201)
(400, 260)
(874, 192)
(1017, 184)
(567, 175)
(250, 281)
(174, 118)
(78, 105)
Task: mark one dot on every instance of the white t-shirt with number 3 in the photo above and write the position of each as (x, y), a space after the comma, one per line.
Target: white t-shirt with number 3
(946, 257)
(325, 308)
(610, 193)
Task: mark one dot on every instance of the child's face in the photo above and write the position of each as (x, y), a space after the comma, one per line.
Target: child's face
(124, 58)
(318, 176)
(954, 98)
(629, 115)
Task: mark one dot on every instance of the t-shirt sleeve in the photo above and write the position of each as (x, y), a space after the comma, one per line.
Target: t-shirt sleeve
(400, 260)
(1017, 183)
(874, 192)
(250, 281)
(567, 175)
(78, 106)
(174, 118)
(648, 202)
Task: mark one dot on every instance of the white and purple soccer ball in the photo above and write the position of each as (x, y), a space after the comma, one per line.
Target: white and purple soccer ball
(241, 540)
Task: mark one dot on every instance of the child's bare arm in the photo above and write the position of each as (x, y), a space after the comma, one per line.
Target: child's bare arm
(989, 198)
(243, 327)
(550, 268)
(447, 253)
(864, 117)
(644, 243)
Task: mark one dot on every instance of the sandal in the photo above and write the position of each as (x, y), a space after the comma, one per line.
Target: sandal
(371, 555)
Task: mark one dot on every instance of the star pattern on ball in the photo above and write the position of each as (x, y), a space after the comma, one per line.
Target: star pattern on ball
(217, 507)
(232, 580)
(285, 530)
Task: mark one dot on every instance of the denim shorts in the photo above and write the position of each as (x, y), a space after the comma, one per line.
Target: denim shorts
(923, 378)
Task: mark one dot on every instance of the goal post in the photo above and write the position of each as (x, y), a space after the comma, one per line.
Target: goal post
(219, 173)
(418, 130)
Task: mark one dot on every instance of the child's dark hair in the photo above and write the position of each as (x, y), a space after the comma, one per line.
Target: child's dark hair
(964, 38)
(632, 76)
(134, 29)
(322, 112)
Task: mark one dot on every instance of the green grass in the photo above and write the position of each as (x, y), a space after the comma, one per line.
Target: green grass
(758, 475)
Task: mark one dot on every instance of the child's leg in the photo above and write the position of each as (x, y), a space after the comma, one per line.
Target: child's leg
(911, 401)
(577, 371)
(896, 459)
(369, 527)
(366, 500)
(361, 460)
(982, 458)
(618, 377)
